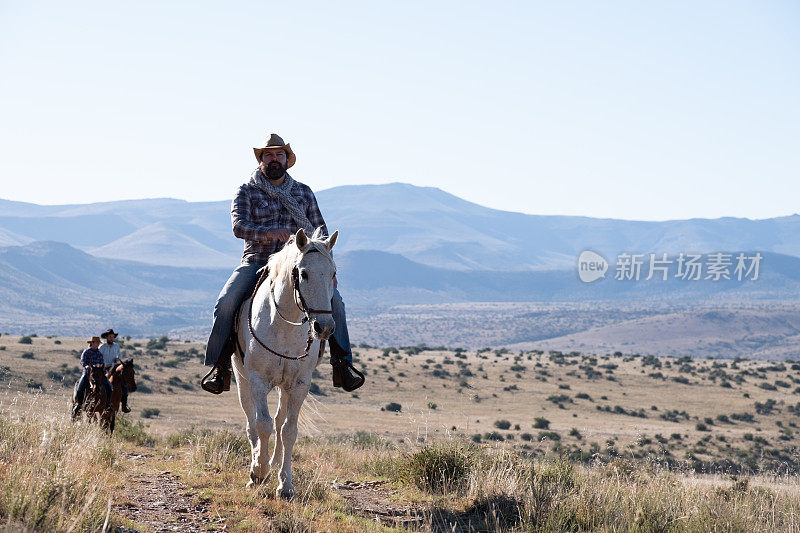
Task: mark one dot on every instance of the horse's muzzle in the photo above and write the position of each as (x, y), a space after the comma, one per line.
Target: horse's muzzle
(322, 328)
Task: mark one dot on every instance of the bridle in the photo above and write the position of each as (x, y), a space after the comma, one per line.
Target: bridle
(300, 302)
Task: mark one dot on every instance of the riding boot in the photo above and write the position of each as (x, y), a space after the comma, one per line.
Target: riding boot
(218, 380)
(76, 409)
(344, 374)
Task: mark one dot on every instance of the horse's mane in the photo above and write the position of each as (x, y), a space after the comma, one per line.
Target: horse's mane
(281, 263)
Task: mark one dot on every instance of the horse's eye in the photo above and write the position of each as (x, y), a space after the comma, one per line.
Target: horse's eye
(304, 274)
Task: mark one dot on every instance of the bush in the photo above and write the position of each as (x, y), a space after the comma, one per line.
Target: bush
(135, 433)
(393, 407)
(438, 467)
(541, 423)
(27, 355)
(493, 435)
(25, 340)
(550, 435)
(432, 406)
(502, 424)
(150, 412)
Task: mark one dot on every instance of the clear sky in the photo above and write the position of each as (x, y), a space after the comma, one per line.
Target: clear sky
(635, 110)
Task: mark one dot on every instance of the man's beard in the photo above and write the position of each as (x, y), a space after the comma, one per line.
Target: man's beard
(274, 170)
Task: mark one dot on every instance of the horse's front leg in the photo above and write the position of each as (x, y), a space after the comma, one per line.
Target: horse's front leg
(262, 423)
(280, 418)
(294, 400)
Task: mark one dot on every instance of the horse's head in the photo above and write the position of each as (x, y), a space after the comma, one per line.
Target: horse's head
(313, 277)
(96, 374)
(128, 375)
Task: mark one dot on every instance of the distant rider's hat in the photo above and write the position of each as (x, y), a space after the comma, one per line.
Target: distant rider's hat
(93, 339)
(108, 332)
(275, 142)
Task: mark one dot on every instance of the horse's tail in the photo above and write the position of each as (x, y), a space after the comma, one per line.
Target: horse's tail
(309, 413)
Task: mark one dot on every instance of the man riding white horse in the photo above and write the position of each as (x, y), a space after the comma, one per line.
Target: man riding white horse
(265, 212)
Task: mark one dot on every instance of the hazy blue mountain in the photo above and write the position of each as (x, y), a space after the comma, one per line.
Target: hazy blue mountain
(54, 288)
(423, 224)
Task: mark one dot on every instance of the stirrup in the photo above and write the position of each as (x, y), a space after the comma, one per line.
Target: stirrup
(342, 367)
(207, 383)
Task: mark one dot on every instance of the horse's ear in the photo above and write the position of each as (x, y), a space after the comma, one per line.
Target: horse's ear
(330, 241)
(300, 239)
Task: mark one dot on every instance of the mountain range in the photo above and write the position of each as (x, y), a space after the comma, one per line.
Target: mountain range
(424, 224)
(415, 264)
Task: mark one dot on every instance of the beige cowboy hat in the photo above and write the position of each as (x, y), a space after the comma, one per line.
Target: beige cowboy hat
(93, 339)
(276, 143)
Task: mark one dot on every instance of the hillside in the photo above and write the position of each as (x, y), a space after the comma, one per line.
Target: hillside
(436, 440)
(52, 288)
(424, 224)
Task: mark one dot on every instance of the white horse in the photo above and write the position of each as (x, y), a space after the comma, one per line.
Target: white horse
(281, 350)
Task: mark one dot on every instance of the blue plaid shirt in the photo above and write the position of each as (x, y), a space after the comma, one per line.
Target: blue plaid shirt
(253, 213)
(90, 357)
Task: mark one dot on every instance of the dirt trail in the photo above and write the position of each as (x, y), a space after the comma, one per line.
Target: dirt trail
(373, 500)
(160, 501)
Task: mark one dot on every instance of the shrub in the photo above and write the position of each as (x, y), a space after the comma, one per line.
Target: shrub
(432, 406)
(27, 355)
(700, 426)
(493, 435)
(25, 340)
(550, 435)
(135, 433)
(541, 423)
(394, 407)
(502, 424)
(438, 467)
(150, 412)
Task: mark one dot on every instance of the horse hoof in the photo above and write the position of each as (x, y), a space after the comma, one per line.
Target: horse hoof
(284, 494)
(254, 482)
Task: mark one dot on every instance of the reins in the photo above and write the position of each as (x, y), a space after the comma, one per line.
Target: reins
(299, 301)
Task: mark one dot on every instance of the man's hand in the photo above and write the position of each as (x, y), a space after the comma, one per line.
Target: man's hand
(282, 234)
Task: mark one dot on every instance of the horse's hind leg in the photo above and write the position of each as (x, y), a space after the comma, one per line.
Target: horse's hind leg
(288, 430)
(262, 423)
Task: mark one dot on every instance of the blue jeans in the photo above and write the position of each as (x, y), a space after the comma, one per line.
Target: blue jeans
(238, 286)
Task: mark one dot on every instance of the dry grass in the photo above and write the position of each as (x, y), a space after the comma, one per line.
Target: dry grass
(596, 464)
(55, 476)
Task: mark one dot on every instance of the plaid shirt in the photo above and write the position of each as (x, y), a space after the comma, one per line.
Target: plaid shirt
(90, 357)
(253, 213)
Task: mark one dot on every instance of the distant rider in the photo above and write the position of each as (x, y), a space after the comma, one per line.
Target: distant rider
(91, 356)
(110, 351)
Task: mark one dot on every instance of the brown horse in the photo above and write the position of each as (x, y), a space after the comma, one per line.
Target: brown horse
(119, 374)
(94, 404)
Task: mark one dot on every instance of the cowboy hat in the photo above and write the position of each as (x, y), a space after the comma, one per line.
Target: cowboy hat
(275, 142)
(108, 332)
(93, 339)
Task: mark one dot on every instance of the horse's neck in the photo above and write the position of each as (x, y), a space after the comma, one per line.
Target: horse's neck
(265, 310)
